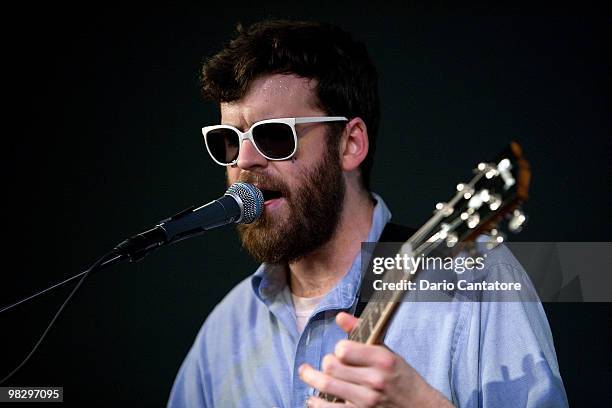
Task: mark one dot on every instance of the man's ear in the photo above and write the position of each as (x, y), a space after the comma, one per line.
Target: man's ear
(354, 144)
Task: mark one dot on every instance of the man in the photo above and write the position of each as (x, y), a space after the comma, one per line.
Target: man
(280, 334)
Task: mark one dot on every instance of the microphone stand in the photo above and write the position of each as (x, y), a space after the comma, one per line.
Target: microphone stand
(132, 249)
(105, 261)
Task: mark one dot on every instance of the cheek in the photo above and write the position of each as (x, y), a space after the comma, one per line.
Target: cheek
(311, 152)
(291, 173)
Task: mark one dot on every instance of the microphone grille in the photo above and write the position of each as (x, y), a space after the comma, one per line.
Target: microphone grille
(251, 198)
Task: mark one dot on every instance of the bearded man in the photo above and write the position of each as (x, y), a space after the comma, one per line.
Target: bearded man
(299, 113)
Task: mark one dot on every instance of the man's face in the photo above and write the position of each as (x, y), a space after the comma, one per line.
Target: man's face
(303, 196)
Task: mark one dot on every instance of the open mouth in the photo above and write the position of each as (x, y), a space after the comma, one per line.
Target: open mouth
(270, 195)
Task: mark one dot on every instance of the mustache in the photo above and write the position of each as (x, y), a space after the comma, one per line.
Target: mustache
(265, 182)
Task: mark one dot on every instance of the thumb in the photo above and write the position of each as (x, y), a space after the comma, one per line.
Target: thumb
(347, 322)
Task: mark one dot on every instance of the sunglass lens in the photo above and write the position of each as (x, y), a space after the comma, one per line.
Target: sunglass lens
(275, 140)
(223, 144)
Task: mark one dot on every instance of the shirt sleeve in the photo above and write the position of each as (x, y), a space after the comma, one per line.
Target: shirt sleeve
(188, 389)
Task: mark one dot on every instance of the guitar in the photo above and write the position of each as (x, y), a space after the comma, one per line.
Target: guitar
(478, 207)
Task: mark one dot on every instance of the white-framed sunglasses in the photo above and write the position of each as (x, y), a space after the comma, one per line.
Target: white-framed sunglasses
(274, 139)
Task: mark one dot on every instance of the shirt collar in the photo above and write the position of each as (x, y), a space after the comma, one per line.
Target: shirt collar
(270, 279)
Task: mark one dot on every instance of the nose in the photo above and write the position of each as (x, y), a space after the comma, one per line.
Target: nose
(249, 157)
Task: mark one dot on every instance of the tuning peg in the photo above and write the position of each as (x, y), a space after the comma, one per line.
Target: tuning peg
(495, 202)
(487, 169)
(451, 239)
(504, 170)
(517, 221)
(473, 220)
(504, 165)
(483, 196)
(467, 192)
(445, 209)
(495, 239)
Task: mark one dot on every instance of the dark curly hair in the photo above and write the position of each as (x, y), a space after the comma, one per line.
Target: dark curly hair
(347, 81)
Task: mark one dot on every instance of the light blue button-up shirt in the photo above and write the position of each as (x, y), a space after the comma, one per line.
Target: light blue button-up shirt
(478, 354)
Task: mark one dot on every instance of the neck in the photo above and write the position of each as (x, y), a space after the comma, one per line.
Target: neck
(317, 273)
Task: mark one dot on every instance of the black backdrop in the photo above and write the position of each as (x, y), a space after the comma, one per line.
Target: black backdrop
(102, 116)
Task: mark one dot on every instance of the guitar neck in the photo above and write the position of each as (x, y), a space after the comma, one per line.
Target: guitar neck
(380, 309)
(374, 321)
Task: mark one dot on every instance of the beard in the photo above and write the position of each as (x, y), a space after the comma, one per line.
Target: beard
(313, 216)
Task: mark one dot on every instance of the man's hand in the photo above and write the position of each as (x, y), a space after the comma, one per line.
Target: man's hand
(368, 376)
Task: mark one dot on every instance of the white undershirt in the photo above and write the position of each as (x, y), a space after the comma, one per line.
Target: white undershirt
(303, 308)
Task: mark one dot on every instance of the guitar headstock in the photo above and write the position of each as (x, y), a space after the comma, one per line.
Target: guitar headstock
(496, 192)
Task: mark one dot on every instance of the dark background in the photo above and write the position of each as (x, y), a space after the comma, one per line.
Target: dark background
(102, 116)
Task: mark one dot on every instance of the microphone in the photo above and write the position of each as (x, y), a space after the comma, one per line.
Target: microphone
(242, 203)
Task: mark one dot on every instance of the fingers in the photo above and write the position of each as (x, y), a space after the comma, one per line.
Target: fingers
(334, 386)
(346, 321)
(369, 376)
(359, 354)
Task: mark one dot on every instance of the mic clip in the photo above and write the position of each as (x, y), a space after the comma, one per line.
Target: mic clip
(139, 245)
